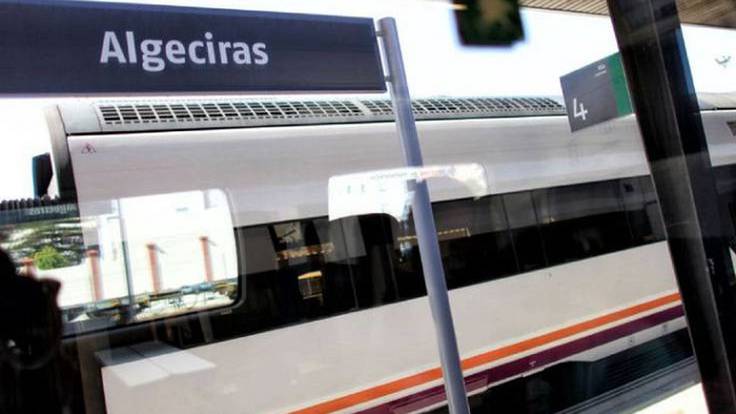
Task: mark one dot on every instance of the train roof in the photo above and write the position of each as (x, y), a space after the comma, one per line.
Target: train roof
(137, 115)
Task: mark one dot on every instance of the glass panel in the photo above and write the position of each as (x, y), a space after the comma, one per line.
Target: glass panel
(206, 263)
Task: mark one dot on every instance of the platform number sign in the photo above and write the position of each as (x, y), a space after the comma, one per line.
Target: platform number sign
(596, 93)
(578, 109)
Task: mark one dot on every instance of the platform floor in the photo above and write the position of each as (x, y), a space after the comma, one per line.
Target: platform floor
(687, 401)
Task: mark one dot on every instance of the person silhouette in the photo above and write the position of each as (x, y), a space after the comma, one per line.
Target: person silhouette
(30, 343)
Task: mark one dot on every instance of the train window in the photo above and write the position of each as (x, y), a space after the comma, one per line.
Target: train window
(633, 199)
(525, 234)
(641, 226)
(127, 260)
(651, 206)
(296, 270)
(407, 263)
(581, 221)
(474, 241)
(725, 180)
(375, 273)
(726, 187)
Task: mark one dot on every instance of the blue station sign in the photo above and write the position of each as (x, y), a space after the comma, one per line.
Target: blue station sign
(69, 47)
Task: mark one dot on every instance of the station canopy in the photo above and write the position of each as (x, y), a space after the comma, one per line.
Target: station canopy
(719, 13)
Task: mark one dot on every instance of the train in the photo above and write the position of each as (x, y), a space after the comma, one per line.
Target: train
(562, 257)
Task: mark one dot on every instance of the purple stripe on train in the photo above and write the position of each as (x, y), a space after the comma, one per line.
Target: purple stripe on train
(498, 373)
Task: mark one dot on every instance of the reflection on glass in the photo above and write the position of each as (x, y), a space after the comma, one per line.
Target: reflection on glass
(389, 191)
(136, 259)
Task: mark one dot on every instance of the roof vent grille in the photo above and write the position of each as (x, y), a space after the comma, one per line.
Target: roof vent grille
(469, 106)
(109, 114)
(381, 107)
(166, 115)
(217, 111)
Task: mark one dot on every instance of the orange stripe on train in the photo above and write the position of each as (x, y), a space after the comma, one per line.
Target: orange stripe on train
(484, 358)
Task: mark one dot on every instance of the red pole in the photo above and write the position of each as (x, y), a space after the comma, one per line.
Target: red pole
(95, 274)
(205, 243)
(27, 267)
(154, 268)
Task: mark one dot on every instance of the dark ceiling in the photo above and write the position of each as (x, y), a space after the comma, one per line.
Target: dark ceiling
(720, 13)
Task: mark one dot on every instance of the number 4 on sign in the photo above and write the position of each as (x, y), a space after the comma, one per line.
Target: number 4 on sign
(575, 112)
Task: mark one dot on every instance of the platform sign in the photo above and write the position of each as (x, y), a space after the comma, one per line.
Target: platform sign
(69, 47)
(596, 93)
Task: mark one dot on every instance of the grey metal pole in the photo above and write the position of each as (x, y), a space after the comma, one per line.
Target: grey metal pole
(130, 309)
(434, 274)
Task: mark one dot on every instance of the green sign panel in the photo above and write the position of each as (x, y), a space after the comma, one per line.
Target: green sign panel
(596, 93)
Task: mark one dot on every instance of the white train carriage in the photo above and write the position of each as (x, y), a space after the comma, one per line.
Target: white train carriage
(563, 259)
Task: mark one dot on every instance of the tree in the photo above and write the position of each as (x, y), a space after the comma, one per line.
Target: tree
(49, 258)
(28, 239)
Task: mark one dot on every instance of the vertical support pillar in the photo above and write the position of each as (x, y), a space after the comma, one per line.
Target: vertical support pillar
(434, 274)
(93, 258)
(654, 56)
(205, 244)
(153, 267)
(130, 312)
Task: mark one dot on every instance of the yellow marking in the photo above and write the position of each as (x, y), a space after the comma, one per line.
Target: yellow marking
(310, 275)
(459, 232)
(304, 251)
